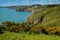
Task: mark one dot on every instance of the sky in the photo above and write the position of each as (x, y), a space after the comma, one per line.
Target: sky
(27, 2)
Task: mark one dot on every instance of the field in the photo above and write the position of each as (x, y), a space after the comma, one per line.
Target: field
(26, 36)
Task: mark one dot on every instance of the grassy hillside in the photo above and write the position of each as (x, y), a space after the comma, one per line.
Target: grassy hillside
(26, 36)
(46, 17)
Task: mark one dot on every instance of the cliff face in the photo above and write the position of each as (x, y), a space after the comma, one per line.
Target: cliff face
(46, 17)
(30, 8)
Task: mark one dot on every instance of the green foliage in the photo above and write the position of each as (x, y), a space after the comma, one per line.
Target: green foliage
(58, 31)
(50, 30)
(51, 16)
(36, 29)
(2, 28)
(25, 36)
(13, 28)
(24, 27)
(8, 23)
(16, 27)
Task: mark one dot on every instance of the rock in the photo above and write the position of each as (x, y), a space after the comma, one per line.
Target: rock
(36, 22)
(30, 21)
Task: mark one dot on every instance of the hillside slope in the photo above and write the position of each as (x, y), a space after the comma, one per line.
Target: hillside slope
(46, 17)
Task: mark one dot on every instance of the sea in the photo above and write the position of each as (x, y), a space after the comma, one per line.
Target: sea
(12, 15)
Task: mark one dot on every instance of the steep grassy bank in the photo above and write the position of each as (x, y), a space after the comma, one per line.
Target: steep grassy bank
(46, 17)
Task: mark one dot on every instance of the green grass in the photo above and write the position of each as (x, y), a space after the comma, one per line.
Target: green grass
(26, 36)
(51, 16)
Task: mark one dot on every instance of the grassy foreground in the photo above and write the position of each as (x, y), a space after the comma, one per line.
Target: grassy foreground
(26, 36)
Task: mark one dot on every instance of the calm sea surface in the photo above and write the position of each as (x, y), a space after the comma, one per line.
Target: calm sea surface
(13, 16)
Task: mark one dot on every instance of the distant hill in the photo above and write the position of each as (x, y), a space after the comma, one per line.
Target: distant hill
(28, 8)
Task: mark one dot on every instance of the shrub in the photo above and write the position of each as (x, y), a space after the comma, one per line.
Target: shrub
(36, 29)
(8, 23)
(50, 30)
(24, 27)
(2, 28)
(21, 27)
(27, 28)
(58, 31)
(13, 28)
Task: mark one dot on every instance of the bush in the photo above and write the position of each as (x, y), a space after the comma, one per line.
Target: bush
(8, 23)
(27, 28)
(50, 30)
(24, 27)
(21, 27)
(36, 29)
(2, 28)
(58, 31)
(13, 28)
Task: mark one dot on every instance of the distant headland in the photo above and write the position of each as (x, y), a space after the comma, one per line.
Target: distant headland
(27, 8)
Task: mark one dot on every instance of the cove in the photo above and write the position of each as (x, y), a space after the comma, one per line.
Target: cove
(13, 16)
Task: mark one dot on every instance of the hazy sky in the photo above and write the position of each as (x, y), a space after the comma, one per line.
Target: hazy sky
(27, 2)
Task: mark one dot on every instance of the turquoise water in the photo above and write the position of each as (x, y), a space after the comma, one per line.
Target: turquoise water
(13, 16)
